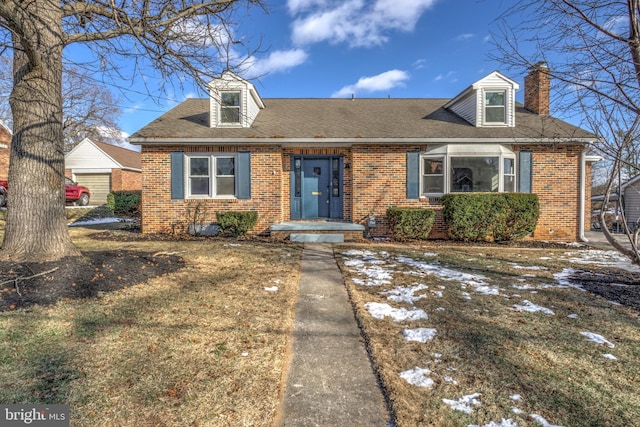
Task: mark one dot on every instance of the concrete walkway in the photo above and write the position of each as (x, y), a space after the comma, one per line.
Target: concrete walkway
(330, 380)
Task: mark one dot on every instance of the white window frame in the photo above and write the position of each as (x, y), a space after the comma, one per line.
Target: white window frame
(466, 151)
(223, 107)
(423, 174)
(505, 107)
(212, 157)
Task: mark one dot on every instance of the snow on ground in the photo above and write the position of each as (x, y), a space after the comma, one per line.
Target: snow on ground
(404, 294)
(379, 269)
(531, 307)
(380, 311)
(418, 377)
(598, 339)
(503, 423)
(419, 334)
(465, 403)
(97, 221)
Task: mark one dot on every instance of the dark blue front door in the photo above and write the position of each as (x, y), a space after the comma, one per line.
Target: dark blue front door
(316, 190)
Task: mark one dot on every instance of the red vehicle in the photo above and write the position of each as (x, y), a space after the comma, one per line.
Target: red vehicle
(74, 193)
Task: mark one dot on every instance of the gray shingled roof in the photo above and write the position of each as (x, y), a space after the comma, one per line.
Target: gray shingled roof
(391, 119)
(128, 159)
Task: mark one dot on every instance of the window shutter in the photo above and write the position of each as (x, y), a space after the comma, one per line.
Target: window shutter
(243, 175)
(177, 175)
(413, 175)
(525, 171)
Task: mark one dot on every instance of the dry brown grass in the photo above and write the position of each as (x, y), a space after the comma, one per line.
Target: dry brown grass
(487, 347)
(204, 346)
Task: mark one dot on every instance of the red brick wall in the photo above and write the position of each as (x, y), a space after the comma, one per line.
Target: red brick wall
(122, 180)
(556, 181)
(161, 214)
(375, 180)
(5, 138)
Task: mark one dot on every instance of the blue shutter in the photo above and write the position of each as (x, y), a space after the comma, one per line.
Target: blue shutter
(413, 175)
(243, 175)
(526, 171)
(177, 175)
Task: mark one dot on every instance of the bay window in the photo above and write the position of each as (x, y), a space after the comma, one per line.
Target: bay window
(467, 168)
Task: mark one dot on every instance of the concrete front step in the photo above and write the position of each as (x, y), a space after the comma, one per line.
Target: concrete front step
(316, 238)
(317, 231)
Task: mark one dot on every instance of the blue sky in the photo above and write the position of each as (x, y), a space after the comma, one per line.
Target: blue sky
(369, 48)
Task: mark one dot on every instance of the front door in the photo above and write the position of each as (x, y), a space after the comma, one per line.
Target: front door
(316, 190)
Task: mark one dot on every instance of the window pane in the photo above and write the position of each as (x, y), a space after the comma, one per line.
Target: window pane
(495, 98)
(477, 174)
(433, 184)
(230, 115)
(225, 186)
(509, 184)
(509, 165)
(225, 166)
(230, 99)
(495, 114)
(432, 166)
(199, 166)
(200, 186)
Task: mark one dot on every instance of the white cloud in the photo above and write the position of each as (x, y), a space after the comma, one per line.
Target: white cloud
(277, 61)
(381, 82)
(356, 22)
(465, 36)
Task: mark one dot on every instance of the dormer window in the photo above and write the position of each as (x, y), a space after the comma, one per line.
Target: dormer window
(230, 107)
(495, 107)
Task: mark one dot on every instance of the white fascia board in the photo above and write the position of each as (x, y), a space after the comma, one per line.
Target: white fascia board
(593, 158)
(80, 171)
(345, 142)
(3, 145)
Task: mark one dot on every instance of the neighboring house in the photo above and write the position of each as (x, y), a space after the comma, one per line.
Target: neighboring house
(629, 202)
(103, 168)
(348, 160)
(5, 148)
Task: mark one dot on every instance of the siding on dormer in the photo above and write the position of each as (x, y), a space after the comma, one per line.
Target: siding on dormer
(467, 108)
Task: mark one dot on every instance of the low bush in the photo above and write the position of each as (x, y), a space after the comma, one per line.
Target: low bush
(236, 223)
(124, 203)
(410, 223)
(490, 216)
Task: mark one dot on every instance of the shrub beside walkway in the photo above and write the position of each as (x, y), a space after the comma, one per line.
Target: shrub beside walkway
(330, 380)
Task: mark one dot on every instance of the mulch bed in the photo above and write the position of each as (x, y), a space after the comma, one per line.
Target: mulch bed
(26, 284)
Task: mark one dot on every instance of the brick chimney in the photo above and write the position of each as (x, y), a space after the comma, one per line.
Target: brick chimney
(536, 89)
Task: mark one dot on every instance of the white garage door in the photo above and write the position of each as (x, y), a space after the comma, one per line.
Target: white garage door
(99, 184)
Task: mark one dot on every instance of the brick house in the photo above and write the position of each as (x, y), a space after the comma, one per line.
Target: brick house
(103, 168)
(5, 148)
(347, 160)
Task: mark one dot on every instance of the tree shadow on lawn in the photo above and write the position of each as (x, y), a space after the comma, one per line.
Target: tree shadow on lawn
(26, 284)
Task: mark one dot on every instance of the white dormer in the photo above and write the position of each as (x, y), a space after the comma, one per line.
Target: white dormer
(489, 102)
(234, 102)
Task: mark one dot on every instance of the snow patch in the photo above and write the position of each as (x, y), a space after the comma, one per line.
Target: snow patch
(465, 403)
(503, 423)
(419, 334)
(531, 307)
(380, 311)
(406, 295)
(418, 377)
(540, 420)
(598, 339)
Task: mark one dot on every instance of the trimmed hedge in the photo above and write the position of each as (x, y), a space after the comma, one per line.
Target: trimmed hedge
(497, 217)
(236, 223)
(125, 203)
(410, 223)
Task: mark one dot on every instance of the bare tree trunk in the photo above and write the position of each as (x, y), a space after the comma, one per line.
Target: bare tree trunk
(36, 228)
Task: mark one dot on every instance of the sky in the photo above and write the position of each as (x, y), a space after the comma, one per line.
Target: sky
(364, 48)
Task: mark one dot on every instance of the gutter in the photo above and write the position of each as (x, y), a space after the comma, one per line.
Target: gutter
(347, 142)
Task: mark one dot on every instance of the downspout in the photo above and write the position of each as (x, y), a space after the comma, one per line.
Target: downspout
(583, 171)
(583, 183)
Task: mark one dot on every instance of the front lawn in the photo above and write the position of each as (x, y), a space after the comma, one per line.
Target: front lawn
(202, 345)
(498, 336)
